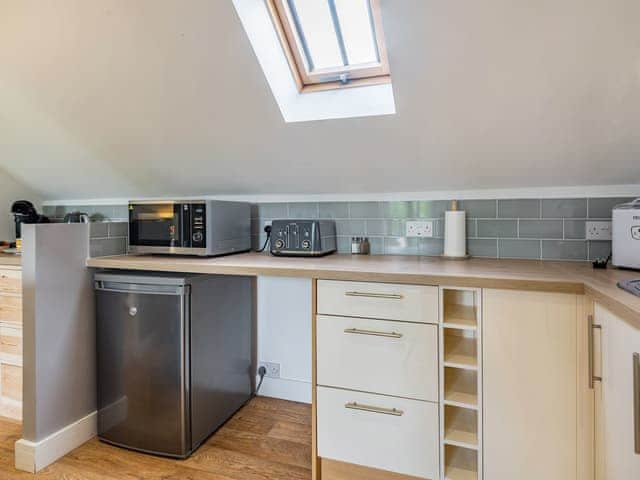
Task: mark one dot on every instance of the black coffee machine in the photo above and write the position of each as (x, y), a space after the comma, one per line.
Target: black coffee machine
(24, 212)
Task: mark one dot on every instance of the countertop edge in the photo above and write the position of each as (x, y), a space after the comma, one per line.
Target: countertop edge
(565, 283)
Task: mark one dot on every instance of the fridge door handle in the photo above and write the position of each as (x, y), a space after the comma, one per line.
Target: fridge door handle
(118, 287)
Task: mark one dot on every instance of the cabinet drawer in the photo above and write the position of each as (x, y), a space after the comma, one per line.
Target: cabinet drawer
(11, 381)
(387, 301)
(11, 282)
(11, 309)
(363, 429)
(11, 341)
(378, 356)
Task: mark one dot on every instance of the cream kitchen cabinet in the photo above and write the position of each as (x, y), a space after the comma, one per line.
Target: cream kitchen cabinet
(617, 401)
(10, 343)
(538, 408)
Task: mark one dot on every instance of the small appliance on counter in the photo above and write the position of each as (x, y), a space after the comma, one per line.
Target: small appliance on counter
(76, 217)
(625, 235)
(174, 356)
(203, 228)
(303, 238)
(24, 213)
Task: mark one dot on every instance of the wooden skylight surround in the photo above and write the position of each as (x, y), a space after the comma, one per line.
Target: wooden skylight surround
(332, 44)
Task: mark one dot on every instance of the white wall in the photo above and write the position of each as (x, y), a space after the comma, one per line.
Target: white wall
(10, 191)
(121, 98)
(284, 335)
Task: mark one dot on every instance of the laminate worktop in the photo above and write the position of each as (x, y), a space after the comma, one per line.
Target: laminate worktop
(7, 260)
(552, 276)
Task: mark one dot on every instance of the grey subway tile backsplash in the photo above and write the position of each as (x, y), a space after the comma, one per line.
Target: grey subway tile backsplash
(519, 208)
(480, 208)
(482, 247)
(599, 249)
(350, 228)
(273, 210)
(430, 246)
(564, 250)
(575, 229)
(564, 208)
(601, 207)
(103, 247)
(508, 248)
(550, 229)
(400, 246)
(377, 227)
(365, 210)
(303, 210)
(540, 229)
(432, 209)
(332, 210)
(118, 229)
(99, 230)
(497, 228)
(400, 209)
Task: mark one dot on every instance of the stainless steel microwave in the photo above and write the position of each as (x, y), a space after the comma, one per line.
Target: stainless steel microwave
(204, 228)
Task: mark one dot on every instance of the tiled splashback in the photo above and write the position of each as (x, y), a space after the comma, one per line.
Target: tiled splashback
(549, 229)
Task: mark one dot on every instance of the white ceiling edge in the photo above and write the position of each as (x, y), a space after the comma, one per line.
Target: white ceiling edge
(303, 107)
(593, 191)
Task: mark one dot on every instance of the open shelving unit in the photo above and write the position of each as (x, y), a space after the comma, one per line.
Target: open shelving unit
(461, 383)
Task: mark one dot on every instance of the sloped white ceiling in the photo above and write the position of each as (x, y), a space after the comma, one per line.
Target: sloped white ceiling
(121, 98)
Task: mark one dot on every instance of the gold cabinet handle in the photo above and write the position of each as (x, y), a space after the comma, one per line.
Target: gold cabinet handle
(388, 296)
(636, 401)
(368, 408)
(373, 333)
(592, 327)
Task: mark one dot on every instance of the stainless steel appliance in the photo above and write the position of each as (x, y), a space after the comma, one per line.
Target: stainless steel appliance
(174, 357)
(204, 228)
(626, 235)
(303, 238)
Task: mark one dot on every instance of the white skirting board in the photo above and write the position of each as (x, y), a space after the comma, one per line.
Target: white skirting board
(285, 389)
(34, 456)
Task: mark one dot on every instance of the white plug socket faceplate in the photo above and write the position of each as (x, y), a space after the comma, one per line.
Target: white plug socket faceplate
(419, 229)
(598, 230)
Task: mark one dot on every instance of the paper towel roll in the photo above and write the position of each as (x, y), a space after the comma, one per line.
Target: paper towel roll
(455, 234)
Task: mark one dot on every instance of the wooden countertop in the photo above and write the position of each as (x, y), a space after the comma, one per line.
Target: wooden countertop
(566, 277)
(7, 260)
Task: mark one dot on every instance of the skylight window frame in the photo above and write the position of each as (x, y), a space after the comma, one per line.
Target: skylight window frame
(329, 78)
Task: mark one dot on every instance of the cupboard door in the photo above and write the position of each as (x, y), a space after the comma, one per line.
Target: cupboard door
(615, 417)
(530, 375)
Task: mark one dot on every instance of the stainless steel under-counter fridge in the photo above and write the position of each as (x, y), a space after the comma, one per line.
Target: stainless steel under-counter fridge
(174, 357)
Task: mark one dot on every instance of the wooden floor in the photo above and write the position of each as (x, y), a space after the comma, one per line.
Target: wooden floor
(267, 440)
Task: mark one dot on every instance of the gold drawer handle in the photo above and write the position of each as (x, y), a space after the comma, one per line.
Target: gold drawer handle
(388, 296)
(373, 333)
(9, 344)
(368, 408)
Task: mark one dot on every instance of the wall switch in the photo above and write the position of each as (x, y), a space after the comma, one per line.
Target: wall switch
(273, 369)
(598, 230)
(419, 229)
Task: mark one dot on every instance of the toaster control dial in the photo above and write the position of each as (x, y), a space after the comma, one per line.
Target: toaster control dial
(279, 243)
(306, 244)
(197, 237)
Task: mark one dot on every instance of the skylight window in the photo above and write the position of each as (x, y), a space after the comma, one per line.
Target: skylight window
(332, 43)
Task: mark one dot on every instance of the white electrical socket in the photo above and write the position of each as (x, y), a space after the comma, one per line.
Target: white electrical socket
(598, 230)
(273, 369)
(267, 223)
(419, 229)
